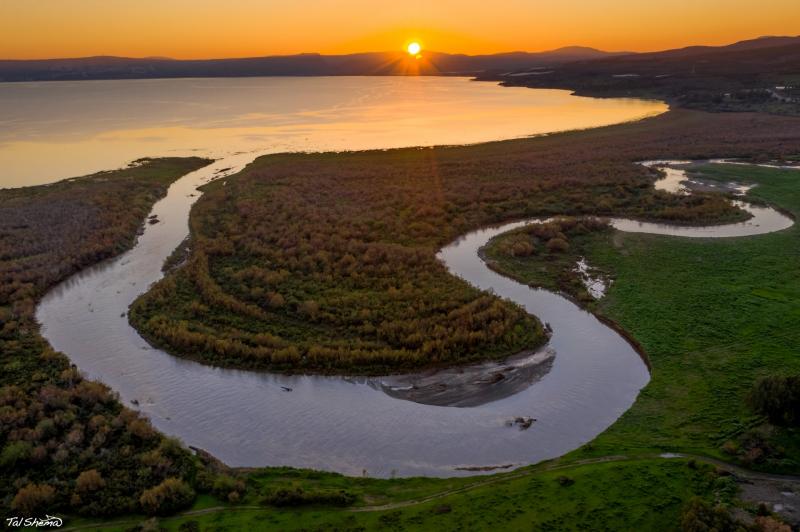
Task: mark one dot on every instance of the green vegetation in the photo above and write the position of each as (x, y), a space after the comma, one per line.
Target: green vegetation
(326, 262)
(66, 443)
(556, 245)
(714, 317)
(170, 495)
(644, 494)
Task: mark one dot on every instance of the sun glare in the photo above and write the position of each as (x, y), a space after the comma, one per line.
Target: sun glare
(414, 48)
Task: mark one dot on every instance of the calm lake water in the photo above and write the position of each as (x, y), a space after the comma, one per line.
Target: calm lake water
(53, 130)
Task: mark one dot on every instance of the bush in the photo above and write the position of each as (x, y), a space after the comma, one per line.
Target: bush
(299, 497)
(699, 516)
(522, 249)
(778, 398)
(226, 487)
(557, 245)
(770, 524)
(171, 495)
(89, 480)
(33, 498)
(15, 453)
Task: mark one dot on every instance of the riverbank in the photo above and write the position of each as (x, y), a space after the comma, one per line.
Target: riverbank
(616, 493)
(56, 425)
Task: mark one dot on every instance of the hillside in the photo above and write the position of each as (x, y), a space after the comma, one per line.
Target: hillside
(756, 75)
(362, 64)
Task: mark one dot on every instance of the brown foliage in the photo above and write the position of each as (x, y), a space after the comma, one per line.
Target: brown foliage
(33, 498)
(89, 480)
(171, 495)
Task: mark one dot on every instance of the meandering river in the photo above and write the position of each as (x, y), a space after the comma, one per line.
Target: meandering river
(575, 388)
(344, 424)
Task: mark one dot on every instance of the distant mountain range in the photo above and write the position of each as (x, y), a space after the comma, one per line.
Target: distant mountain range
(780, 54)
(363, 64)
(756, 75)
(756, 56)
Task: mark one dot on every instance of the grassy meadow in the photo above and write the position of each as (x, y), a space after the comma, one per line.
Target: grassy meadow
(640, 494)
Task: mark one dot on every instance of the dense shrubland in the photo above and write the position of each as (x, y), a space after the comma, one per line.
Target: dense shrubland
(66, 443)
(326, 262)
(699, 515)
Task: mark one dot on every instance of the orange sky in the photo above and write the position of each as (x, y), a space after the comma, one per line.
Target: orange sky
(238, 28)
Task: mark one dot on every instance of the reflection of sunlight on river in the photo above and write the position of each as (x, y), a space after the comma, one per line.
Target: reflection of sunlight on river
(71, 128)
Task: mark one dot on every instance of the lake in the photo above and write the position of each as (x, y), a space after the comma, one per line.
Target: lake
(53, 130)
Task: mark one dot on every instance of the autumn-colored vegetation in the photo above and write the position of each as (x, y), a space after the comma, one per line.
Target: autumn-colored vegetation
(66, 443)
(326, 262)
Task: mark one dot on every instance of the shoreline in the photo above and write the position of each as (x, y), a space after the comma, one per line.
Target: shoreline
(616, 327)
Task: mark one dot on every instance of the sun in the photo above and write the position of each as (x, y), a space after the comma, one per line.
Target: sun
(414, 48)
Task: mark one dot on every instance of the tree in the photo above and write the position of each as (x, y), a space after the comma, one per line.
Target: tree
(778, 398)
(557, 245)
(700, 516)
(15, 453)
(89, 480)
(522, 248)
(276, 300)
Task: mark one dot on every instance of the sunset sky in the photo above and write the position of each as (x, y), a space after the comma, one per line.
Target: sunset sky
(239, 28)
